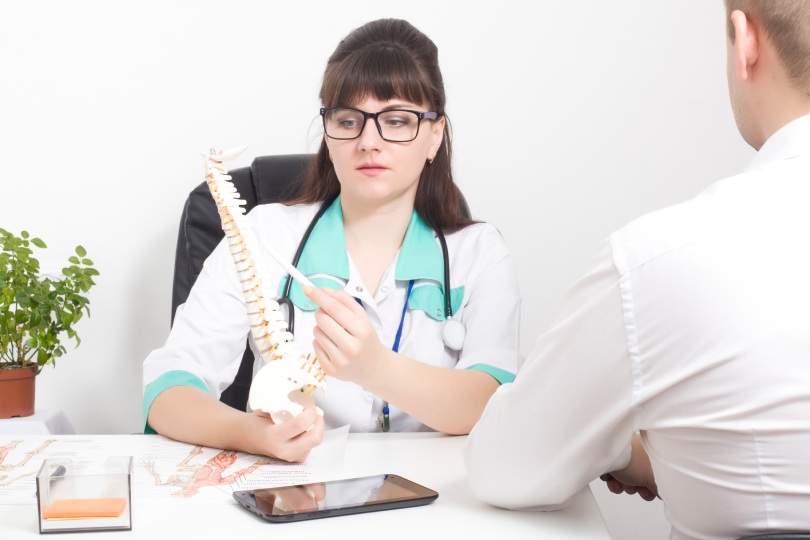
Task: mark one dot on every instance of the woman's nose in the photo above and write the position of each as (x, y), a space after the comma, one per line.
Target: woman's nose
(370, 138)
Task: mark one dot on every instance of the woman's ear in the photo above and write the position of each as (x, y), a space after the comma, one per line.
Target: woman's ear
(746, 44)
(437, 134)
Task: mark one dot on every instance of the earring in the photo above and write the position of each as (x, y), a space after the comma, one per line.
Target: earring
(430, 160)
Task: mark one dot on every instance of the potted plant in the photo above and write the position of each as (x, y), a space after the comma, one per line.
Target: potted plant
(38, 313)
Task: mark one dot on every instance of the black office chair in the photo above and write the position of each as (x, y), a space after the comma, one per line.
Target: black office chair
(268, 179)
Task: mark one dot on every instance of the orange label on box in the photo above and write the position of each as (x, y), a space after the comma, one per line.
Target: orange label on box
(85, 508)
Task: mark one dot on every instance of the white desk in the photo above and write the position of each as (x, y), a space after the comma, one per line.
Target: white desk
(431, 459)
(42, 422)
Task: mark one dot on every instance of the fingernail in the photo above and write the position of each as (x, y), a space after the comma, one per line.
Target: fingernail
(307, 289)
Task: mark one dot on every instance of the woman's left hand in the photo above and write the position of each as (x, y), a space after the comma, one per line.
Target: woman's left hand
(345, 342)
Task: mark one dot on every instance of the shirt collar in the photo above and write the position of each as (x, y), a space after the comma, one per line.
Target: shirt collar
(324, 256)
(791, 140)
(325, 252)
(420, 257)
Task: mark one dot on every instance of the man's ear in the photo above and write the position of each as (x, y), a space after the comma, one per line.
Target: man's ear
(745, 46)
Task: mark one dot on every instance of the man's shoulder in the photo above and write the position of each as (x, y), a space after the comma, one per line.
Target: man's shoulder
(675, 227)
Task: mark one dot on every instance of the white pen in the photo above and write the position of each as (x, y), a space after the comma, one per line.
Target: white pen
(293, 271)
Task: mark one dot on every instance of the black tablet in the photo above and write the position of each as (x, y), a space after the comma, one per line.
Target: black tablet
(335, 498)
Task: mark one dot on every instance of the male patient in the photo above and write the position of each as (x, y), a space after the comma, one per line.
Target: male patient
(680, 364)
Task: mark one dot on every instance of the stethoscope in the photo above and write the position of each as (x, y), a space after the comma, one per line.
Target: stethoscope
(452, 330)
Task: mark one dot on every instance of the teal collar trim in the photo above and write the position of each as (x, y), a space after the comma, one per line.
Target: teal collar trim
(421, 259)
(324, 259)
(420, 256)
(430, 299)
(325, 251)
(325, 262)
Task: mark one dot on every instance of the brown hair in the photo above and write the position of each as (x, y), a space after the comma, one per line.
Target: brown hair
(786, 23)
(386, 59)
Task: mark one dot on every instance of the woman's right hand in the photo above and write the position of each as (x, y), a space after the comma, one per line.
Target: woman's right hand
(344, 340)
(291, 440)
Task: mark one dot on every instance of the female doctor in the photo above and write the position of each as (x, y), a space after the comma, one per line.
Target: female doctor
(416, 315)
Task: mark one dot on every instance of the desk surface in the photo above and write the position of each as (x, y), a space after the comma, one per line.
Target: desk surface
(431, 459)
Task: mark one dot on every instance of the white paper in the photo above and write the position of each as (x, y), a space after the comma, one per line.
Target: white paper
(164, 470)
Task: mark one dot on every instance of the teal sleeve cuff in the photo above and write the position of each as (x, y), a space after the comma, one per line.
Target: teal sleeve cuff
(165, 381)
(500, 375)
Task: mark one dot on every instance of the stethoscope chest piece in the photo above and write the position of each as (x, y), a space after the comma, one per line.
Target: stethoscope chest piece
(453, 334)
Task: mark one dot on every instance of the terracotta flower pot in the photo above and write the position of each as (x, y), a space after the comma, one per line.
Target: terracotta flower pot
(17, 391)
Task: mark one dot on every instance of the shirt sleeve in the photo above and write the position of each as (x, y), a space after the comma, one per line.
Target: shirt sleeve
(567, 417)
(492, 310)
(165, 381)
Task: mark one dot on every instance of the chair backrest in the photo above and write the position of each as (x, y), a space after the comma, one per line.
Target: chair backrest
(268, 179)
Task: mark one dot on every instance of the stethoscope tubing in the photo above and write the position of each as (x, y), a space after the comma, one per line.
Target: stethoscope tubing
(448, 308)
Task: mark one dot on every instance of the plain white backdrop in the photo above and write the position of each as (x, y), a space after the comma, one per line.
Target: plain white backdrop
(569, 119)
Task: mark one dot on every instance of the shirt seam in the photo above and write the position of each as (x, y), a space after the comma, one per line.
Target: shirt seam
(766, 495)
(631, 332)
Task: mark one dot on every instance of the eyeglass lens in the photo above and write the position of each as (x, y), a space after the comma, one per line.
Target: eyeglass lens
(394, 125)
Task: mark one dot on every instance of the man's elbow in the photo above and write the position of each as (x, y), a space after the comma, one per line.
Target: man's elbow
(528, 492)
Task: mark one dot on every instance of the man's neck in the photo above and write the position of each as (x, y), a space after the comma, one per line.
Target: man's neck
(782, 108)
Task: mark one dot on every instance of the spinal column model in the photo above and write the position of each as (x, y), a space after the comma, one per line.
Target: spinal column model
(288, 378)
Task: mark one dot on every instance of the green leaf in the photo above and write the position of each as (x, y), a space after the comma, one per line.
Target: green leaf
(22, 299)
(38, 313)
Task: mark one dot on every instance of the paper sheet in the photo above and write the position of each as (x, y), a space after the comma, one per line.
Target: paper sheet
(164, 470)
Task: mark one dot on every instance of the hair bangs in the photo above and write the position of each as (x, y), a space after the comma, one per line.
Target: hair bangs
(383, 72)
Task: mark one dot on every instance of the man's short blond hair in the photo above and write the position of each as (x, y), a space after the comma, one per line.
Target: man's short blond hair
(787, 25)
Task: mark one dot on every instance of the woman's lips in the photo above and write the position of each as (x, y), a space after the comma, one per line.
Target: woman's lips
(372, 169)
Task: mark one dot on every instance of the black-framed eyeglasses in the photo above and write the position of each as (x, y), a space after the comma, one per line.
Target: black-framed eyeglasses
(394, 125)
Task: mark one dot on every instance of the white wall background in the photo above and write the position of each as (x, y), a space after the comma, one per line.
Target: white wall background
(570, 119)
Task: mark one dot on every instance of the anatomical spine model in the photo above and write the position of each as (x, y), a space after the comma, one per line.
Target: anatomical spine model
(287, 378)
